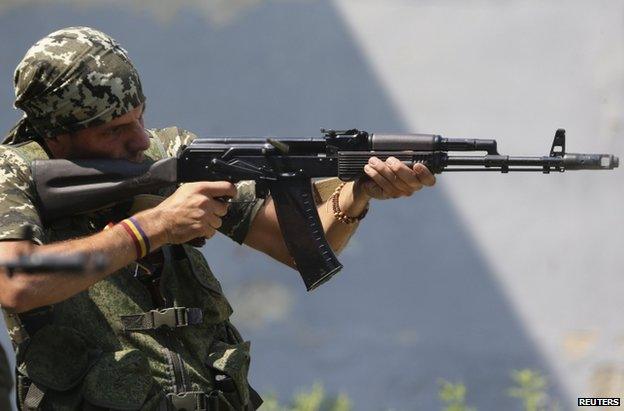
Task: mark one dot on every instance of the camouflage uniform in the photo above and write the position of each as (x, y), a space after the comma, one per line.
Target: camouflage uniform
(5, 381)
(150, 336)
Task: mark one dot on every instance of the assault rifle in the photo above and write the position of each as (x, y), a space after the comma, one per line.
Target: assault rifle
(284, 168)
(40, 262)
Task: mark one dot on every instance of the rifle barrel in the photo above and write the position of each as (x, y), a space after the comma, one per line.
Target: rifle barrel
(570, 161)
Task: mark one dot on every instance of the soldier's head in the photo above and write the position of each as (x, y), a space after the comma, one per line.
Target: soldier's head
(80, 92)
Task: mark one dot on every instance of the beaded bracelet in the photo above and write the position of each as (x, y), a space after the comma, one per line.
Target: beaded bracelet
(341, 216)
(140, 240)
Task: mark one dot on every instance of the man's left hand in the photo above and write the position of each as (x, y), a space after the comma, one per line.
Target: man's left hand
(393, 179)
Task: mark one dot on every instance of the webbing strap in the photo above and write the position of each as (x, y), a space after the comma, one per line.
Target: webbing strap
(255, 399)
(34, 397)
(169, 317)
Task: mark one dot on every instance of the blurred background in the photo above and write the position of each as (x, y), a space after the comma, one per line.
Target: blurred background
(483, 274)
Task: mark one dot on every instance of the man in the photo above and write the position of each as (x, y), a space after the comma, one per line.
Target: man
(151, 331)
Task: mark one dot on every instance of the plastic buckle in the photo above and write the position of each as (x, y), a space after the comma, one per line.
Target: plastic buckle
(170, 317)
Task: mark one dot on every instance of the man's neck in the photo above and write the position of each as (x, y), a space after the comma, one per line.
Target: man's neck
(43, 143)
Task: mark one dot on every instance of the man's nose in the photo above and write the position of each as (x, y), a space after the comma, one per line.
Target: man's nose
(139, 140)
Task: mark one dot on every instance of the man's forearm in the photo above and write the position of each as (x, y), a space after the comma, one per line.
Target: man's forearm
(265, 234)
(351, 201)
(25, 291)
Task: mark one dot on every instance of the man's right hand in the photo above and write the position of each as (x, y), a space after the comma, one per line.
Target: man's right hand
(193, 211)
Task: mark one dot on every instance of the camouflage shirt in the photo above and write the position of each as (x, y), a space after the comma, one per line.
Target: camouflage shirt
(5, 381)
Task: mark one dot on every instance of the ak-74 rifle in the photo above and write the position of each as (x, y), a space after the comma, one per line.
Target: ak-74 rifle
(284, 168)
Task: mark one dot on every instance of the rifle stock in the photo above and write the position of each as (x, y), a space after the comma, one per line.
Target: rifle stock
(66, 187)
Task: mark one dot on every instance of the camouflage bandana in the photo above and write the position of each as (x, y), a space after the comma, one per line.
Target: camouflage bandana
(72, 79)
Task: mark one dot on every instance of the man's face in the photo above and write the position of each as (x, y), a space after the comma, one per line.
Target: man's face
(122, 138)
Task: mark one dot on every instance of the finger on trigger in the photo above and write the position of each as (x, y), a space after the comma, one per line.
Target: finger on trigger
(219, 188)
(221, 208)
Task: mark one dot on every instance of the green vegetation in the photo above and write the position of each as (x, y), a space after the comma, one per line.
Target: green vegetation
(529, 387)
(453, 396)
(312, 400)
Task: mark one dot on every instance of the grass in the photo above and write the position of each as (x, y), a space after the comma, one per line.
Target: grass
(529, 387)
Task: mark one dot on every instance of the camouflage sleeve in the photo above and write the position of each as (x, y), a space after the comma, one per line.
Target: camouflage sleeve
(242, 211)
(172, 138)
(17, 198)
(5, 381)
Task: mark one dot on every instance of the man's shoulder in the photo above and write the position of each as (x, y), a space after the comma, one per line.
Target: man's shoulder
(23, 153)
(17, 193)
(15, 161)
(170, 139)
